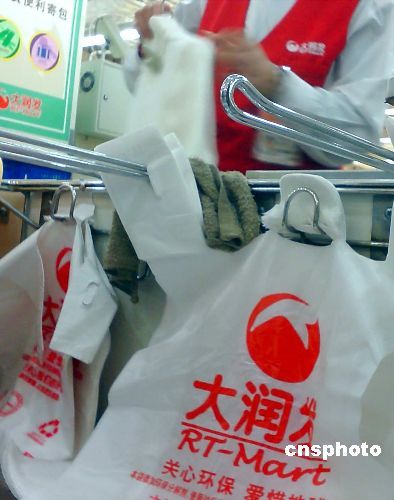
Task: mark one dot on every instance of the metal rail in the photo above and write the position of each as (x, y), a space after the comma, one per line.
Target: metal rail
(309, 131)
(344, 184)
(364, 186)
(64, 157)
(293, 126)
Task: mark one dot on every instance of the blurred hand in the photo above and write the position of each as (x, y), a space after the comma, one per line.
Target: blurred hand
(143, 15)
(235, 54)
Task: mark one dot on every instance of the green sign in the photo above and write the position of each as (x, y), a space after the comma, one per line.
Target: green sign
(39, 60)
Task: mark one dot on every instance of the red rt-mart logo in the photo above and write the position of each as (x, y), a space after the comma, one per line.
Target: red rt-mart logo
(275, 345)
(63, 263)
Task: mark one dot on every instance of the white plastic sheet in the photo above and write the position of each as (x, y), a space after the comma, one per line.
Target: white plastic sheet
(174, 89)
(52, 407)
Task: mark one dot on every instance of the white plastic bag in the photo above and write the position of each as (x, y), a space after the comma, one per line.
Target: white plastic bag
(42, 399)
(18, 334)
(82, 331)
(90, 301)
(80, 342)
(281, 343)
(174, 88)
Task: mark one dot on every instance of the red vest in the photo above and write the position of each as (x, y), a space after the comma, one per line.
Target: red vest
(308, 39)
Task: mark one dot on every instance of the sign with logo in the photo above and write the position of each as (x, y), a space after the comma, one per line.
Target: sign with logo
(39, 58)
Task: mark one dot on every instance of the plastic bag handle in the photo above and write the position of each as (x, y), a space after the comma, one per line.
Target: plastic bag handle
(316, 214)
(328, 217)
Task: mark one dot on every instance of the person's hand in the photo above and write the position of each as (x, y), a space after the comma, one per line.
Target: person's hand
(142, 16)
(235, 54)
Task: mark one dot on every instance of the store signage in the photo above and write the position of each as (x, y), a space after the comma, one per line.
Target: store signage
(39, 60)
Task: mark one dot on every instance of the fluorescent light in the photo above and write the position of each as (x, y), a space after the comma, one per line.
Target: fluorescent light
(129, 34)
(93, 40)
(385, 140)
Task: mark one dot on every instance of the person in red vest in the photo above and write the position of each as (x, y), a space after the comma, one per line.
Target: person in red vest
(329, 60)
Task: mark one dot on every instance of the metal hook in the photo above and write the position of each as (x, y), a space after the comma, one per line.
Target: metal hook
(55, 202)
(316, 213)
(311, 132)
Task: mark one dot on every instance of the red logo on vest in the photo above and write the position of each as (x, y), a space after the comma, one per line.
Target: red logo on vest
(63, 267)
(313, 48)
(275, 345)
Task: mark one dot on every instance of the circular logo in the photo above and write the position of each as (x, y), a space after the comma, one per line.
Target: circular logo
(292, 46)
(49, 429)
(44, 52)
(63, 265)
(87, 81)
(14, 403)
(10, 40)
(4, 99)
(277, 348)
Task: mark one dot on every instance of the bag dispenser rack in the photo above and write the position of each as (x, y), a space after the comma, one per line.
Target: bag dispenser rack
(311, 132)
(377, 183)
(260, 188)
(64, 157)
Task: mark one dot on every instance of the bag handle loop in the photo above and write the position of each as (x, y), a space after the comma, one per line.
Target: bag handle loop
(316, 208)
(316, 213)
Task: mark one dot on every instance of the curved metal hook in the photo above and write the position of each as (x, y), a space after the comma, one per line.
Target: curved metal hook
(316, 213)
(320, 135)
(55, 202)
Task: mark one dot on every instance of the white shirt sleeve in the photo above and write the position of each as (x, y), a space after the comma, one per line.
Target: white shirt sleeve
(353, 96)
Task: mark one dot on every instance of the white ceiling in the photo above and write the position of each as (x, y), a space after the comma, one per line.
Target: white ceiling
(122, 10)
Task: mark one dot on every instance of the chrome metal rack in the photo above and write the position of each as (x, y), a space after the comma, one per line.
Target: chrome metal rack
(293, 126)
(308, 131)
